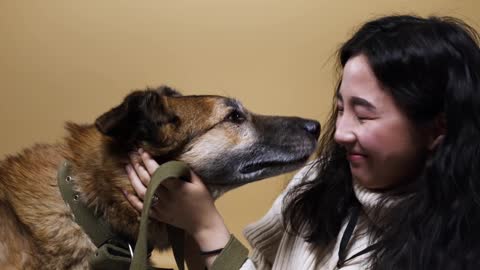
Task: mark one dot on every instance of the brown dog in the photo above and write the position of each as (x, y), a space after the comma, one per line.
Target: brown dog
(221, 141)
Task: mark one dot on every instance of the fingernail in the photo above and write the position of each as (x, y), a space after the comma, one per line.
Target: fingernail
(128, 167)
(124, 192)
(140, 150)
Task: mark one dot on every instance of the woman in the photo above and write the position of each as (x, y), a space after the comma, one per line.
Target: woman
(396, 184)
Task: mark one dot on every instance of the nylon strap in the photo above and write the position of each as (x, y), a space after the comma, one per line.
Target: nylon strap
(94, 226)
(172, 169)
(342, 251)
(111, 254)
(233, 256)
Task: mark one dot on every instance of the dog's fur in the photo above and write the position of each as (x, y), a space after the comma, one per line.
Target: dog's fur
(218, 138)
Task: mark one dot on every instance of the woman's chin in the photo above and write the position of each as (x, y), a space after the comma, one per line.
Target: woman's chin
(370, 184)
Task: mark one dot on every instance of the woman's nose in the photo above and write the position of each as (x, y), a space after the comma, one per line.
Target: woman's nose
(344, 134)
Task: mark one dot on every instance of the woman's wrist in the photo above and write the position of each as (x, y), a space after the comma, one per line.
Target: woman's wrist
(212, 237)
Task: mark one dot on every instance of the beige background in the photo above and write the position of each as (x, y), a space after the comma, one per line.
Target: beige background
(66, 60)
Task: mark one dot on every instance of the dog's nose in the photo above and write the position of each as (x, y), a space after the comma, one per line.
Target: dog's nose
(312, 127)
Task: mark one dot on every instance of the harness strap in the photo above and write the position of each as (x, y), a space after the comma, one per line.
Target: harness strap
(94, 226)
(172, 169)
(112, 251)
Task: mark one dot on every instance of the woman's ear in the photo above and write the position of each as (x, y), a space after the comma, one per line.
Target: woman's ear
(437, 131)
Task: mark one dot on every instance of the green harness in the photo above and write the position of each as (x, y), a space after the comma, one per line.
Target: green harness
(113, 252)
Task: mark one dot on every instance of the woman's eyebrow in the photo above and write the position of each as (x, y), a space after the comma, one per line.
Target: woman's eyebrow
(358, 101)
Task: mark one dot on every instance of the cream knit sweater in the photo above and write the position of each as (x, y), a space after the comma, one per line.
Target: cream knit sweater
(275, 249)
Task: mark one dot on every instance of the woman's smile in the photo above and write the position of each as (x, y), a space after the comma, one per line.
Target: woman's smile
(355, 158)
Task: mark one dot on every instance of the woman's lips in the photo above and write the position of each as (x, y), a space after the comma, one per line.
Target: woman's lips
(355, 157)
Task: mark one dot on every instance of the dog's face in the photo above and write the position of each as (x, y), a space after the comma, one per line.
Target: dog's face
(216, 136)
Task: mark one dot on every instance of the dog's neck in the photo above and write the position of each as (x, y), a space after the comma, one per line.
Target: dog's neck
(99, 168)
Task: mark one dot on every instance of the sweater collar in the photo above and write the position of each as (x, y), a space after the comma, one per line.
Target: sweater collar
(367, 198)
(375, 204)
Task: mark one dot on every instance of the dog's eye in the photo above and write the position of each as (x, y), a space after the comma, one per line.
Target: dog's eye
(235, 117)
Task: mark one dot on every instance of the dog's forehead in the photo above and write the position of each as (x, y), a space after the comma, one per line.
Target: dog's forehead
(233, 103)
(208, 108)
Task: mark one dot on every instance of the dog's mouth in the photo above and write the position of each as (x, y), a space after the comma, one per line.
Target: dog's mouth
(275, 165)
(252, 171)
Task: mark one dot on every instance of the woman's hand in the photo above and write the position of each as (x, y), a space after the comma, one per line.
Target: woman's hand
(186, 205)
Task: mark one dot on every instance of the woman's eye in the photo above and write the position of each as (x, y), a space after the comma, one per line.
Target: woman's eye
(236, 117)
(340, 110)
(362, 119)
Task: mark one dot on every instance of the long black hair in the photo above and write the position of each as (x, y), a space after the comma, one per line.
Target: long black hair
(431, 68)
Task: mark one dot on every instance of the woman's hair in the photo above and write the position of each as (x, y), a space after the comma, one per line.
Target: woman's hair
(431, 68)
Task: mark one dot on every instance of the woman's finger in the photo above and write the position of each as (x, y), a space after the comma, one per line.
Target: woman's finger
(142, 173)
(150, 164)
(134, 200)
(137, 184)
(136, 162)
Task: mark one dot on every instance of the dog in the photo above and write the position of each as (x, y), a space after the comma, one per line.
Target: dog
(220, 140)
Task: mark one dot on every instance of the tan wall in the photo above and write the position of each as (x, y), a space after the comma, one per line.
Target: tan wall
(66, 60)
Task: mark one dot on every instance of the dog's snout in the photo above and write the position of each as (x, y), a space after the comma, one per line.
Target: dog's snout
(312, 127)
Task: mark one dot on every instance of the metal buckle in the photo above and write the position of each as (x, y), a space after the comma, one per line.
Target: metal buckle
(131, 250)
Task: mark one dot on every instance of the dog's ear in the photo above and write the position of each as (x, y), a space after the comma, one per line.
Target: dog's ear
(139, 117)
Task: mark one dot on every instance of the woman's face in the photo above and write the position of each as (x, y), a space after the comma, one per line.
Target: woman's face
(383, 146)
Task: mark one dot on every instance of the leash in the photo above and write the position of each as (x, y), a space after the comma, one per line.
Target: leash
(114, 252)
(172, 169)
